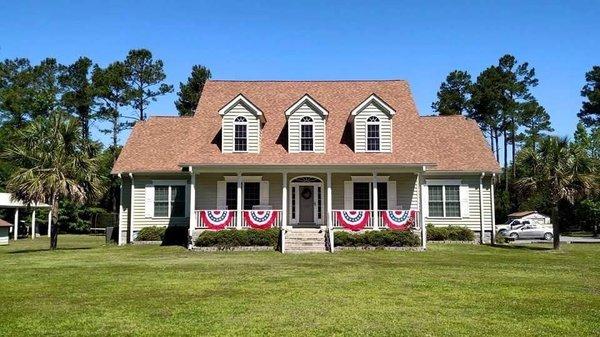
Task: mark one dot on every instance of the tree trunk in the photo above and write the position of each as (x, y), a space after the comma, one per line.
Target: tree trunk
(492, 141)
(497, 146)
(512, 136)
(54, 230)
(505, 160)
(555, 227)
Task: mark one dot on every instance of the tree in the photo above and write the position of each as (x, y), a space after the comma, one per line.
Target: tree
(563, 173)
(45, 88)
(144, 76)
(454, 94)
(590, 109)
(79, 96)
(111, 88)
(190, 92)
(486, 103)
(15, 91)
(53, 164)
(535, 120)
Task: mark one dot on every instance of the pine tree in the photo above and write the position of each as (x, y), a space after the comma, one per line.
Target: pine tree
(79, 97)
(534, 118)
(190, 92)
(454, 94)
(590, 109)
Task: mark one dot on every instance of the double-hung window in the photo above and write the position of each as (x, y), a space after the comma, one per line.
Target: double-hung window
(373, 138)
(444, 201)
(363, 196)
(169, 201)
(240, 136)
(250, 195)
(306, 134)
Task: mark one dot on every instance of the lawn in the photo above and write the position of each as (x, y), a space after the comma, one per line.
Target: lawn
(92, 289)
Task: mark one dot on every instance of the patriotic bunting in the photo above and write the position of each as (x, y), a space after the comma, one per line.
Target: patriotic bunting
(260, 219)
(398, 220)
(216, 219)
(353, 220)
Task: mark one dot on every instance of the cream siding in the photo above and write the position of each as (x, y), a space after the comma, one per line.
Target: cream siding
(253, 129)
(294, 129)
(360, 129)
(473, 220)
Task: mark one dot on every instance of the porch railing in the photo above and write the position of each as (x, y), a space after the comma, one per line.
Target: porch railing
(372, 215)
(217, 219)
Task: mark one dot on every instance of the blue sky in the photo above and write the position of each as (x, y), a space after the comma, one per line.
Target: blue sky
(419, 41)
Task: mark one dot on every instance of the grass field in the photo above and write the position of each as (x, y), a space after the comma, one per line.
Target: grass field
(87, 288)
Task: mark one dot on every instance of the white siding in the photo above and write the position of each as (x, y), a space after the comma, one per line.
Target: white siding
(253, 130)
(472, 221)
(360, 129)
(125, 209)
(294, 129)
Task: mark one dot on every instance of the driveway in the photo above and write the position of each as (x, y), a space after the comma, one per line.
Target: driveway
(565, 239)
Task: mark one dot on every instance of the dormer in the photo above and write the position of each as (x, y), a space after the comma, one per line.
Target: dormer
(240, 126)
(372, 125)
(306, 126)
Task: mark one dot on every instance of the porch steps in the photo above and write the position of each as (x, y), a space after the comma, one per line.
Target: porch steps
(305, 240)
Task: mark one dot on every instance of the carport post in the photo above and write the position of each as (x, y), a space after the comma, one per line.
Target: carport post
(16, 230)
(33, 224)
(49, 222)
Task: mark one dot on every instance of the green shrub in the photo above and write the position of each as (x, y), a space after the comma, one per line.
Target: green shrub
(234, 238)
(382, 238)
(151, 234)
(450, 233)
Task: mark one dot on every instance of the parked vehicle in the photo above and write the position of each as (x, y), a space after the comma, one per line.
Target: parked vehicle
(511, 224)
(530, 231)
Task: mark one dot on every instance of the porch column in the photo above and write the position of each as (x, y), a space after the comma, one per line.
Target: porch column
(375, 205)
(284, 199)
(192, 205)
(131, 208)
(16, 224)
(33, 224)
(421, 211)
(49, 222)
(120, 221)
(481, 219)
(329, 212)
(493, 207)
(238, 223)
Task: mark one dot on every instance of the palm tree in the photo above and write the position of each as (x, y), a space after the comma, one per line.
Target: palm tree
(565, 173)
(53, 164)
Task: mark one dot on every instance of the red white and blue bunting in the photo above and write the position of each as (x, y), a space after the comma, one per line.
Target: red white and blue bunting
(260, 219)
(398, 220)
(353, 220)
(217, 219)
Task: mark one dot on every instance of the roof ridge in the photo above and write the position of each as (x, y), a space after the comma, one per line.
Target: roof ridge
(309, 81)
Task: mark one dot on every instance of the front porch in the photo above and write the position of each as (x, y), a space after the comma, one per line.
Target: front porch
(327, 201)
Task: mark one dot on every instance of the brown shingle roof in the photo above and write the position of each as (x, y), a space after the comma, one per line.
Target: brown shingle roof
(4, 223)
(450, 143)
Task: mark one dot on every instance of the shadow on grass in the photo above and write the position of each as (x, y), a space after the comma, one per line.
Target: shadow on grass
(47, 250)
(521, 247)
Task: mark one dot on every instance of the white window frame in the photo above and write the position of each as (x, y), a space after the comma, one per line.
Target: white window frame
(367, 123)
(443, 184)
(169, 184)
(312, 126)
(245, 123)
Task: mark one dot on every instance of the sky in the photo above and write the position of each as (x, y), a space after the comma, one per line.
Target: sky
(418, 41)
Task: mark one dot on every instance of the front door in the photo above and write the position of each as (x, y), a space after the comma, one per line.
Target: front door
(307, 204)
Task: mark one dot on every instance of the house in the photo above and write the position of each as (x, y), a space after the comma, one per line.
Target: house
(530, 215)
(5, 227)
(330, 155)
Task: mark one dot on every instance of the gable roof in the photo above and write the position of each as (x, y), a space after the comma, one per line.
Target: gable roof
(306, 99)
(444, 143)
(378, 102)
(240, 99)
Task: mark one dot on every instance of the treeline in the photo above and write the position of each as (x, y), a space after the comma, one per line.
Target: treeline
(541, 172)
(101, 100)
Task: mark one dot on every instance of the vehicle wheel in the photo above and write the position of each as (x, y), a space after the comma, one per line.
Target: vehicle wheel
(548, 236)
(514, 236)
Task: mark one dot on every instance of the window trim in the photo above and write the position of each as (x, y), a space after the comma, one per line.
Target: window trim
(312, 131)
(236, 123)
(169, 184)
(443, 184)
(367, 123)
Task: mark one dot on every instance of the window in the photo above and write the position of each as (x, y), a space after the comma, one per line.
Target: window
(251, 195)
(306, 134)
(169, 201)
(231, 196)
(373, 133)
(319, 203)
(293, 202)
(444, 201)
(363, 196)
(240, 134)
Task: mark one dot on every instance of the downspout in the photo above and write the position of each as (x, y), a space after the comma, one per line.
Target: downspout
(421, 212)
(120, 222)
(493, 206)
(131, 213)
(481, 219)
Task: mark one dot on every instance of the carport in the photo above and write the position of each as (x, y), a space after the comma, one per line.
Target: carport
(7, 201)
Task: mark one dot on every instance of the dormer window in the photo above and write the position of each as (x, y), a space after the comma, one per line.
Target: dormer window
(240, 125)
(373, 139)
(306, 134)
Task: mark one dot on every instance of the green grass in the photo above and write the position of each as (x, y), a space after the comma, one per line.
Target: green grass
(86, 288)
